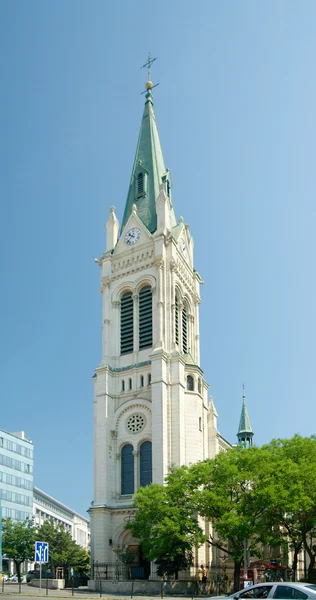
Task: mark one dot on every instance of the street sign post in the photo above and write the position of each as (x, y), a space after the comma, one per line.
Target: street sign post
(41, 556)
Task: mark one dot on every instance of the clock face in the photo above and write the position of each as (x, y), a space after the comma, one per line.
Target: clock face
(183, 247)
(132, 236)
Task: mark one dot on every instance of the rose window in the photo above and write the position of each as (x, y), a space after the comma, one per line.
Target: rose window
(136, 423)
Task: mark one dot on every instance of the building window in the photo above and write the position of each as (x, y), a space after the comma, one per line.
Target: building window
(199, 386)
(145, 464)
(127, 470)
(190, 383)
(142, 381)
(140, 184)
(123, 385)
(176, 320)
(168, 188)
(184, 331)
(145, 318)
(149, 379)
(130, 384)
(127, 329)
(200, 423)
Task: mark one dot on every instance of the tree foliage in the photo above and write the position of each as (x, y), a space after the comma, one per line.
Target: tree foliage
(18, 539)
(63, 550)
(224, 491)
(291, 513)
(264, 495)
(166, 528)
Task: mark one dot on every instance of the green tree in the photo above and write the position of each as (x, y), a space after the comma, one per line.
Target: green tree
(63, 550)
(18, 541)
(290, 515)
(166, 528)
(225, 491)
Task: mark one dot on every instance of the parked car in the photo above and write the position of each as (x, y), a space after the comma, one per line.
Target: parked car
(32, 575)
(286, 590)
(35, 574)
(14, 579)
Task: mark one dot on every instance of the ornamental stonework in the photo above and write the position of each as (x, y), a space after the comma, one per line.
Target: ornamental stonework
(136, 423)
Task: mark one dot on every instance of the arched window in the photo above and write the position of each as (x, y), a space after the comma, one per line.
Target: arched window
(123, 385)
(184, 331)
(190, 383)
(130, 384)
(127, 470)
(145, 464)
(176, 320)
(145, 318)
(199, 386)
(127, 329)
(140, 184)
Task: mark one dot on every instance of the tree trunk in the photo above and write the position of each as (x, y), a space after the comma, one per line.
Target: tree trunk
(312, 557)
(18, 569)
(237, 565)
(311, 568)
(294, 563)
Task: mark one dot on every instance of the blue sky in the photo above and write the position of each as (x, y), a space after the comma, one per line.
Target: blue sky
(236, 115)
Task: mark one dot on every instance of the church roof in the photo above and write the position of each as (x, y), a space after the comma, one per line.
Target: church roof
(244, 423)
(149, 161)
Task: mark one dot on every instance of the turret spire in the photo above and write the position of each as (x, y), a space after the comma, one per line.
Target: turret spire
(149, 171)
(245, 433)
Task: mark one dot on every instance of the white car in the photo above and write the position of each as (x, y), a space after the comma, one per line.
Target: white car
(14, 579)
(285, 590)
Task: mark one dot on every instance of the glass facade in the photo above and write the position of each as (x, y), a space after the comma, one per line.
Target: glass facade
(16, 475)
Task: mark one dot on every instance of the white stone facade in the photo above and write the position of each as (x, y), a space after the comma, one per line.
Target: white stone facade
(155, 394)
(180, 423)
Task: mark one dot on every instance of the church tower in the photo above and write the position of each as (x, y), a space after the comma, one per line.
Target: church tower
(245, 433)
(151, 406)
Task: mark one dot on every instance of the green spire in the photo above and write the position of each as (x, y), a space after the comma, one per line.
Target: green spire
(245, 433)
(149, 171)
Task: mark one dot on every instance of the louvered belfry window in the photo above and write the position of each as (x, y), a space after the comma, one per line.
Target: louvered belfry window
(140, 184)
(145, 318)
(184, 331)
(127, 329)
(176, 320)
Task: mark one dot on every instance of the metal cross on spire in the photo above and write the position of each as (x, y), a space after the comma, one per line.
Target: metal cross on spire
(149, 85)
(149, 63)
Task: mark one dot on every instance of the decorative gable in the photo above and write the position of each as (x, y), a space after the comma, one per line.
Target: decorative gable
(134, 234)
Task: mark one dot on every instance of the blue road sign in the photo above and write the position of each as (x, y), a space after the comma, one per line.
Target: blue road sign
(41, 552)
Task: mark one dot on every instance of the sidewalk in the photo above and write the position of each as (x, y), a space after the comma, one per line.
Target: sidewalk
(12, 589)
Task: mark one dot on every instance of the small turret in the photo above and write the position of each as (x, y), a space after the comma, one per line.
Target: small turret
(245, 433)
(112, 230)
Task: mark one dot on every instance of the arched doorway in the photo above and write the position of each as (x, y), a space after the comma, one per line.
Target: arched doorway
(137, 565)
